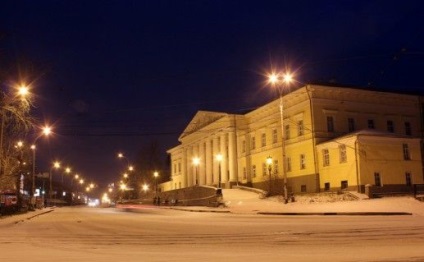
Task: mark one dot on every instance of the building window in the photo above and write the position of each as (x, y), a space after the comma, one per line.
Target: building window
(327, 186)
(275, 167)
(264, 169)
(303, 188)
(244, 173)
(243, 146)
(342, 154)
(390, 126)
(344, 184)
(406, 154)
(377, 179)
(253, 143)
(263, 140)
(274, 136)
(371, 124)
(174, 169)
(179, 185)
(351, 124)
(300, 130)
(179, 167)
(330, 124)
(287, 132)
(302, 161)
(408, 130)
(254, 171)
(325, 157)
(289, 168)
(408, 179)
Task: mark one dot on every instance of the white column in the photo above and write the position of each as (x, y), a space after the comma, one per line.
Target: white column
(215, 151)
(232, 156)
(208, 162)
(184, 168)
(202, 166)
(224, 163)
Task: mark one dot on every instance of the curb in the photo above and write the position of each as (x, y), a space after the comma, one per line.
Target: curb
(39, 214)
(201, 210)
(337, 213)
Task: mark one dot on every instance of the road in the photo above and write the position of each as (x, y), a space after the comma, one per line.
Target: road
(159, 234)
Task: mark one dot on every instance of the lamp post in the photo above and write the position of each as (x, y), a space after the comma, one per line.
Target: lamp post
(278, 81)
(156, 175)
(46, 132)
(196, 162)
(219, 159)
(269, 164)
(55, 165)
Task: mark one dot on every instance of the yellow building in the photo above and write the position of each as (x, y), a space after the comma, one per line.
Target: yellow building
(315, 117)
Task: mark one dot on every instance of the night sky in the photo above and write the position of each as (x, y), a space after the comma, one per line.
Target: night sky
(120, 75)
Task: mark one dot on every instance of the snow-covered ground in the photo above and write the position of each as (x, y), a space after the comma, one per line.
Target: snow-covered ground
(241, 201)
(161, 234)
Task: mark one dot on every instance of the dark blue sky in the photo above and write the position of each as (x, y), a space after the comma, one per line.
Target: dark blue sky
(116, 75)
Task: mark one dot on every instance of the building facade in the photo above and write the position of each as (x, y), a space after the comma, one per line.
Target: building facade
(317, 121)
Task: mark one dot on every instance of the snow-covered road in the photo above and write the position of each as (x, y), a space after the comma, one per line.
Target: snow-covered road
(95, 234)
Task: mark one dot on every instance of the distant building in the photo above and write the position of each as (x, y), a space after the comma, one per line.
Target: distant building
(335, 138)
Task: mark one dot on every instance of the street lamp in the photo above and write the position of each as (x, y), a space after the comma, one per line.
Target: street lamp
(219, 159)
(46, 131)
(121, 155)
(279, 81)
(269, 164)
(196, 162)
(55, 165)
(156, 175)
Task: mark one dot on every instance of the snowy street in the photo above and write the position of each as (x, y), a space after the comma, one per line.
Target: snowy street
(163, 234)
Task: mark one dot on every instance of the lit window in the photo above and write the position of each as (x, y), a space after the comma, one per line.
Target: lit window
(302, 161)
(325, 157)
(287, 132)
(300, 130)
(275, 167)
(342, 154)
(274, 136)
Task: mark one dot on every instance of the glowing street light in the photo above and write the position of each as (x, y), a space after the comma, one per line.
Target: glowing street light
(55, 165)
(156, 176)
(269, 164)
(280, 81)
(145, 187)
(23, 91)
(46, 131)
